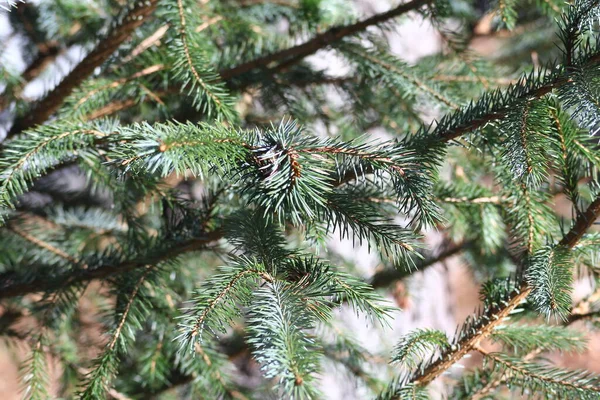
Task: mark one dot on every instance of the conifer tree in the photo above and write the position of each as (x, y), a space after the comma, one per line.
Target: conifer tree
(219, 161)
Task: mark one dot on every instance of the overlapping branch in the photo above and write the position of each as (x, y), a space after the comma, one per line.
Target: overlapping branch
(319, 42)
(388, 276)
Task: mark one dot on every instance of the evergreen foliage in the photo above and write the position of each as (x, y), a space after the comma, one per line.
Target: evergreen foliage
(218, 162)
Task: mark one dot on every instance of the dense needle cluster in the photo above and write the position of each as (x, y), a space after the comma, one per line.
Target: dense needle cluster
(218, 163)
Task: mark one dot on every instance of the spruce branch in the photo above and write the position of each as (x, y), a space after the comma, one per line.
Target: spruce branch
(388, 276)
(550, 277)
(215, 305)
(318, 42)
(496, 316)
(322, 283)
(42, 244)
(282, 154)
(495, 105)
(277, 330)
(35, 376)
(144, 72)
(98, 380)
(20, 167)
(547, 379)
(195, 71)
(524, 150)
(535, 340)
(12, 289)
(43, 109)
(415, 346)
(393, 70)
(119, 105)
(297, 52)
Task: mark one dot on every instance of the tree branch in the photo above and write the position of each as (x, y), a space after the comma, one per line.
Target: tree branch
(494, 383)
(8, 288)
(493, 115)
(55, 98)
(471, 341)
(388, 276)
(320, 41)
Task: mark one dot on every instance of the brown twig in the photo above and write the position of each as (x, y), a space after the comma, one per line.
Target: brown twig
(388, 276)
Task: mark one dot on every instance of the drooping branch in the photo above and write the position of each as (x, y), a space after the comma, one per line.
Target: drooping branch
(448, 358)
(105, 48)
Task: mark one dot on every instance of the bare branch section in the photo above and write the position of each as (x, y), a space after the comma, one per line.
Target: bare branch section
(320, 41)
(583, 222)
(387, 277)
(54, 99)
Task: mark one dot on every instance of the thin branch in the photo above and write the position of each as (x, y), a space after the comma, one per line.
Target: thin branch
(583, 317)
(523, 371)
(146, 71)
(388, 276)
(476, 200)
(188, 56)
(42, 244)
(147, 43)
(320, 41)
(9, 288)
(130, 301)
(198, 324)
(55, 98)
(120, 105)
(473, 79)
